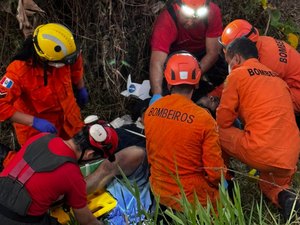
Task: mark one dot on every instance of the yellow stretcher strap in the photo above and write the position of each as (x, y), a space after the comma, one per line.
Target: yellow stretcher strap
(99, 203)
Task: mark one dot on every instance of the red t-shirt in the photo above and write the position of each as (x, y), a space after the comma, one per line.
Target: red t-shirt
(169, 37)
(45, 188)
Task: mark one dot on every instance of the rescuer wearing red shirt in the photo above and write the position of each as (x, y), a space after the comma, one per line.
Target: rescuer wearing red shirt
(191, 25)
(46, 169)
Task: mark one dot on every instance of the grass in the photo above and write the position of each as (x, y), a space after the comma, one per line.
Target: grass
(255, 212)
(248, 207)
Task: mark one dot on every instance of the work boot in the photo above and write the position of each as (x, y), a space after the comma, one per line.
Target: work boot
(286, 199)
(3, 153)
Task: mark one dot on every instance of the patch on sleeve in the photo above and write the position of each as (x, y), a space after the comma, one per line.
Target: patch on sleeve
(6, 82)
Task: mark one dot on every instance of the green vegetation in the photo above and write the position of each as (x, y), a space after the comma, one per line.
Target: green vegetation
(228, 212)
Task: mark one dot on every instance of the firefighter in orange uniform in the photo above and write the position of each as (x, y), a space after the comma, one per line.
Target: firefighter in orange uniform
(182, 138)
(275, 54)
(36, 92)
(270, 140)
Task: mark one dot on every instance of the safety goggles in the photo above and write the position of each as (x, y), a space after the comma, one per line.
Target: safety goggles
(67, 60)
(70, 59)
(189, 12)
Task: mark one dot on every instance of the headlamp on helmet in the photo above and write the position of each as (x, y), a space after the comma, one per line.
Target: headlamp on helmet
(194, 8)
(200, 12)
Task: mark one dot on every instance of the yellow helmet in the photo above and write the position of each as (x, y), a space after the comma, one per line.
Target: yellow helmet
(55, 42)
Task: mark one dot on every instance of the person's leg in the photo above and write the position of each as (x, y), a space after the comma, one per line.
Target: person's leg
(128, 160)
(232, 143)
(289, 203)
(230, 139)
(276, 187)
(272, 180)
(271, 183)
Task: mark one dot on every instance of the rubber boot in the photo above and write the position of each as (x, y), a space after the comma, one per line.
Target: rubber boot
(286, 199)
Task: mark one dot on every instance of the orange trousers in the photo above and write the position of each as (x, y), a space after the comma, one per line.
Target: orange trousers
(272, 179)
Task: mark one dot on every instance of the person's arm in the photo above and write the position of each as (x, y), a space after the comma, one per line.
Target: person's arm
(85, 217)
(227, 110)
(213, 49)
(81, 92)
(157, 61)
(10, 91)
(39, 124)
(80, 84)
(22, 118)
(212, 156)
(128, 160)
(77, 72)
(75, 194)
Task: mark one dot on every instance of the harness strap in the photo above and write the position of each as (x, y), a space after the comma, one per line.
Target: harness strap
(172, 13)
(18, 168)
(26, 175)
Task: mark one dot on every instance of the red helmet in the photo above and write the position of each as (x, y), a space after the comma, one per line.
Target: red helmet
(99, 136)
(236, 29)
(182, 68)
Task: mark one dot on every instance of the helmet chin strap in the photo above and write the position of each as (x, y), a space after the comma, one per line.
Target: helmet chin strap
(252, 31)
(82, 143)
(81, 156)
(45, 67)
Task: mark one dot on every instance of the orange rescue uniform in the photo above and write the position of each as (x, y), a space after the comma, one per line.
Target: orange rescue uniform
(270, 140)
(281, 58)
(182, 138)
(24, 91)
(284, 60)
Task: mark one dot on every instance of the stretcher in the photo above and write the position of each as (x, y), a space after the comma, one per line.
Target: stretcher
(100, 202)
